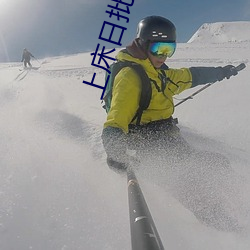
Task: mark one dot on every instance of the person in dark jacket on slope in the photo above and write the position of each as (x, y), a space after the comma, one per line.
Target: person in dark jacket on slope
(26, 58)
(157, 135)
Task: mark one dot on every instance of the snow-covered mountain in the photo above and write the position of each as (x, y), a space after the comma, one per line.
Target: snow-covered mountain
(56, 191)
(222, 32)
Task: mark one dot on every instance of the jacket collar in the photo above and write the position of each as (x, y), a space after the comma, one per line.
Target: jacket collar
(135, 50)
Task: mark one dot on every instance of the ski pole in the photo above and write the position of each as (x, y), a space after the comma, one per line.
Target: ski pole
(238, 68)
(144, 235)
(37, 60)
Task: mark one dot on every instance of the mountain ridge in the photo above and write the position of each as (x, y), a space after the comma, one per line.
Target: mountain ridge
(222, 32)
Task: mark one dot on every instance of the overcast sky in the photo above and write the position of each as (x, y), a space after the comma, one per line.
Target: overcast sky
(58, 27)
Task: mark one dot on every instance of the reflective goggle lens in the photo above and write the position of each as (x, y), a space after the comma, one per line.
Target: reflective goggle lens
(161, 49)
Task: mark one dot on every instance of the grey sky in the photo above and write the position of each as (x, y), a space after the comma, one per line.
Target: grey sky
(58, 27)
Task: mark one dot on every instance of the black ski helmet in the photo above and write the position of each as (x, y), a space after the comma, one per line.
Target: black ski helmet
(156, 28)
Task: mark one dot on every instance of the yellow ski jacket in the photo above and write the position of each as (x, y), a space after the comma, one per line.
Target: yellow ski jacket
(127, 90)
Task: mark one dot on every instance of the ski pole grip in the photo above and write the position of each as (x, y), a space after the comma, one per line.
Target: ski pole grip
(240, 67)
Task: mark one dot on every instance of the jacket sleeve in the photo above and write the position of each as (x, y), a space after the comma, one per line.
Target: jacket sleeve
(125, 99)
(203, 75)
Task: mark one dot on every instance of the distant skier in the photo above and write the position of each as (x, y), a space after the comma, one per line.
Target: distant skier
(194, 177)
(26, 58)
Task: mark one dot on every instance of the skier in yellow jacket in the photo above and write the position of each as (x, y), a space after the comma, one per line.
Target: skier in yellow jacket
(155, 42)
(156, 135)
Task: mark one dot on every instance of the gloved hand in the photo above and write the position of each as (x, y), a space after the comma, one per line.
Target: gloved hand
(229, 71)
(114, 142)
(115, 145)
(119, 167)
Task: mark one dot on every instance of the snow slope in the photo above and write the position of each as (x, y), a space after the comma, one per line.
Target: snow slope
(57, 193)
(222, 32)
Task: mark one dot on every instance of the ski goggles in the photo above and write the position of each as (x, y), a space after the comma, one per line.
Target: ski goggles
(162, 49)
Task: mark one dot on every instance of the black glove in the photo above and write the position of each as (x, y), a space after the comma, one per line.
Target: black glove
(116, 166)
(121, 167)
(114, 142)
(228, 71)
(115, 145)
